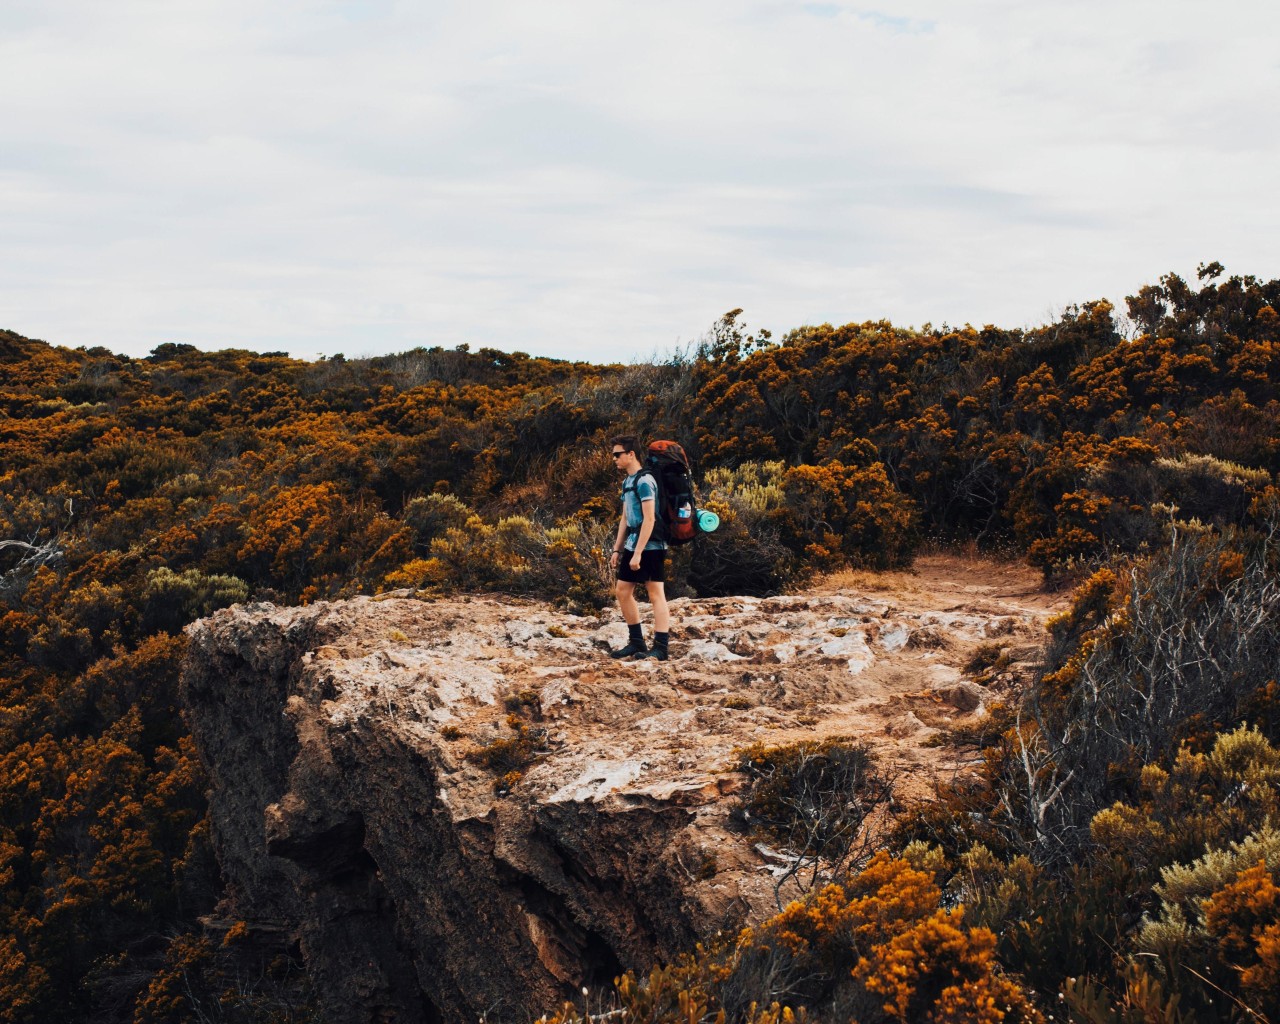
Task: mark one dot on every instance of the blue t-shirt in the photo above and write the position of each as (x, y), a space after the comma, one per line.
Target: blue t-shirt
(637, 488)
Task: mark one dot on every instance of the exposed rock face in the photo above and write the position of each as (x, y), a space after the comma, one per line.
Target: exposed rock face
(424, 887)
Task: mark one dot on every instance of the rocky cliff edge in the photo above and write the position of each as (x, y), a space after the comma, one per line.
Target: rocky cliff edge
(372, 790)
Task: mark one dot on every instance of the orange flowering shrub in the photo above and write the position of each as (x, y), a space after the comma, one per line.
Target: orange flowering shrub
(1244, 917)
(844, 515)
(937, 971)
(312, 540)
(878, 948)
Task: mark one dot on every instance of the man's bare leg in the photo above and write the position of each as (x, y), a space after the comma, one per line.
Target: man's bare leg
(628, 604)
(661, 614)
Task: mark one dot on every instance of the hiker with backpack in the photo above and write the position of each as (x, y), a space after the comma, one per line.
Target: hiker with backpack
(658, 508)
(640, 552)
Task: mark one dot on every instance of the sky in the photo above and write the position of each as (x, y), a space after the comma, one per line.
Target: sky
(599, 180)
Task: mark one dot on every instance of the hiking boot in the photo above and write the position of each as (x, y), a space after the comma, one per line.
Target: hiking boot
(632, 648)
(658, 654)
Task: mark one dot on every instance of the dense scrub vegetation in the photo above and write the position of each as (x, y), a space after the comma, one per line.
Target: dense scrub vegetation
(877, 948)
(1119, 846)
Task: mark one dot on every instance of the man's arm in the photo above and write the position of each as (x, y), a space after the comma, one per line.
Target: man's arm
(622, 534)
(646, 530)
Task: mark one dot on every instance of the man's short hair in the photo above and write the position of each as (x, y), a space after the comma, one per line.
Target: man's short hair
(627, 442)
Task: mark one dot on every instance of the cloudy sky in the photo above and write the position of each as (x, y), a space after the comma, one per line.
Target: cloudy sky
(595, 179)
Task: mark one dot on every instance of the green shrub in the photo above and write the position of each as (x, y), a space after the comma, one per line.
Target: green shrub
(578, 547)
(1194, 635)
(430, 516)
(174, 599)
(746, 554)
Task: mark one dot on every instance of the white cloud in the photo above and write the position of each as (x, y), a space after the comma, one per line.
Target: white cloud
(601, 180)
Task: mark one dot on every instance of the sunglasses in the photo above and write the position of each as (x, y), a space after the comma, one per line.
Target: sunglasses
(618, 455)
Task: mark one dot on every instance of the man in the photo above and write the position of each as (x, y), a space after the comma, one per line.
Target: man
(638, 558)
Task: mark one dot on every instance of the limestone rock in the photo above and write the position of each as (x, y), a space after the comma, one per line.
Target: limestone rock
(909, 725)
(709, 650)
(894, 639)
(852, 647)
(963, 695)
(368, 794)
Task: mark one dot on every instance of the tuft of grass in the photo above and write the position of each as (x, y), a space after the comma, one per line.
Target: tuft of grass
(507, 783)
(984, 732)
(927, 639)
(510, 753)
(524, 699)
(987, 661)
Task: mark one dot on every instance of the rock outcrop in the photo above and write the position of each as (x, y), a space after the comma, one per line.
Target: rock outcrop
(465, 809)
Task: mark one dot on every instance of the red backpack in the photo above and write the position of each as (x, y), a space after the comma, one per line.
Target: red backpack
(675, 512)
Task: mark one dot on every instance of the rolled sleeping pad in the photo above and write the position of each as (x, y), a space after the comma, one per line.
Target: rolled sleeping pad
(708, 522)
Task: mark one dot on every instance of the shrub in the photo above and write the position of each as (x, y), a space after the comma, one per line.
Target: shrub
(1219, 928)
(876, 949)
(846, 515)
(1185, 852)
(511, 753)
(746, 554)
(813, 797)
(1194, 635)
(241, 980)
(752, 485)
(430, 516)
(524, 699)
(1210, 489)
(1122, 503)
(175, 599)
(508, 555)
(314, 540)
(577, 546)
(516, 554)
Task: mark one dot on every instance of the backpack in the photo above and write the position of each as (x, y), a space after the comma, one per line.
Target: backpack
(675, 513)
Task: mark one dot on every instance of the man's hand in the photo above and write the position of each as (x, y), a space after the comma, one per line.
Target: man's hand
(613, 558)
(635, 561)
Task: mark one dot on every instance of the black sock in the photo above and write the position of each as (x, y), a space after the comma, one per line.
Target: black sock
(660, 640)
(635, 634)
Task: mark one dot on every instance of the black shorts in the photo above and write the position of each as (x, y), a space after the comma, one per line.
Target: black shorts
(653, 567)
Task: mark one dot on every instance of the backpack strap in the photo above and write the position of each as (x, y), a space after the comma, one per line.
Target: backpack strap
(630, 486)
